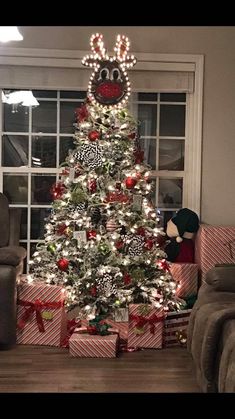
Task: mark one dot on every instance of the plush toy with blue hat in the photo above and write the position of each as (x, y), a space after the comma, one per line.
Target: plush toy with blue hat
(181, 230)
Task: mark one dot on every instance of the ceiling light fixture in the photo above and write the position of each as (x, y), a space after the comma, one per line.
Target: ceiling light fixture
(10, 33)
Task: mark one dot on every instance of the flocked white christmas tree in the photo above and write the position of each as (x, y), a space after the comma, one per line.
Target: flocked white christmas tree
(101, 239)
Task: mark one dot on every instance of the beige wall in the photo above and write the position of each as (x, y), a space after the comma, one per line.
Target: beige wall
(218, 46)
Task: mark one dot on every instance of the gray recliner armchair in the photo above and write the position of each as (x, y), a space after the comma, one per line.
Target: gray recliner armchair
(211, 331)
(11, 265)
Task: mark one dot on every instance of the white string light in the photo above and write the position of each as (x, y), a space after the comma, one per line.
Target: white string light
(99, 55)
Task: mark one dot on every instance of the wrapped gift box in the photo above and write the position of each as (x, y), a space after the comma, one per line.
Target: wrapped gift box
(121, 327)
(214, 245)
(83, 345)
(175, 328)
(186, 274)
(145, 326)
(41, 317)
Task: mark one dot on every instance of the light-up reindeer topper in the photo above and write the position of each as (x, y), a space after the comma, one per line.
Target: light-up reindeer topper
(109, 85)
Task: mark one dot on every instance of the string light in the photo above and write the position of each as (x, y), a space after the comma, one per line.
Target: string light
(99, 57)
(108, 230)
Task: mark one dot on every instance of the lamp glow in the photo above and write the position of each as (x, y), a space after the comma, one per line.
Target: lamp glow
(10, 33)
(23, 97)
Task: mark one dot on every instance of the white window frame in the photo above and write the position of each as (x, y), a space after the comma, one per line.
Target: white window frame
(70, 59)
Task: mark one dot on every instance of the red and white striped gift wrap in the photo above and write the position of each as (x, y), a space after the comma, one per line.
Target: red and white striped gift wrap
(121, 327)
(151, 334)
(111, 225)
(214, 245)
(176, 321)
(93, 346)
(186, 274)
(34, 313)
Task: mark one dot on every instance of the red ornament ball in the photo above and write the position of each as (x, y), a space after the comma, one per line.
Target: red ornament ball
(91, 234)
(94, 135)
(130, 182)
(63, 264)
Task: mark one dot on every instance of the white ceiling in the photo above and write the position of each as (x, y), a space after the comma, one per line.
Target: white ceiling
(158, 39)
(143, 38)
(74, 37)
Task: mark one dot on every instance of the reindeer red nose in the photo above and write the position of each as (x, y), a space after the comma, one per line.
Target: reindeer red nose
(109, 90)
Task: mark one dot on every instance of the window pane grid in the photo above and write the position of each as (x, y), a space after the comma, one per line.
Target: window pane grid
(165, 159)
(46, 99)
(58, 130)
(156, 142)
(144, 102)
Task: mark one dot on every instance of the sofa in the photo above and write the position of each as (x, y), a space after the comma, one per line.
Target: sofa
(211, 331)
(11, 266)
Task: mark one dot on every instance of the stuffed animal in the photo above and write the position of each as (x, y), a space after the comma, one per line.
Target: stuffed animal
(181, 230)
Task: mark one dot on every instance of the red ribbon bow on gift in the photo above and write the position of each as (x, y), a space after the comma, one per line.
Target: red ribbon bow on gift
(71, 326)
(36, 307)
(141, 321)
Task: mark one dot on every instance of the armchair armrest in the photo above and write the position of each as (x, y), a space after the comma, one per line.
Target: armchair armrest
(222, 278)
(12, 255)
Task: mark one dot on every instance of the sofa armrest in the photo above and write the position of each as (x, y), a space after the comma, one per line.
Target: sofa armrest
(15, 222)
(12, 255)
(222, 278)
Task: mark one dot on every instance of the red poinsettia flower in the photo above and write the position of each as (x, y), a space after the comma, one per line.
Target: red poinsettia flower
(81, 113)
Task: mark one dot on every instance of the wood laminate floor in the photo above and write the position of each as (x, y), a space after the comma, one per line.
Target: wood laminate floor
(38, 369)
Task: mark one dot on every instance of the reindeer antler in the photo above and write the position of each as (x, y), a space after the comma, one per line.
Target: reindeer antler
(122, 47)
(97, 45)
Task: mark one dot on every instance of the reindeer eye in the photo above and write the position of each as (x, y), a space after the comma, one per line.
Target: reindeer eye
(104, 74)
(115, 74)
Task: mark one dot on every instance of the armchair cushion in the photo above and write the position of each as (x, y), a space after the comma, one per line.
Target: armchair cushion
(222, 278)
(12, 255)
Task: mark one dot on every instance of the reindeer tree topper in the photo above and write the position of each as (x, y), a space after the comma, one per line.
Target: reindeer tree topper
(109, 85)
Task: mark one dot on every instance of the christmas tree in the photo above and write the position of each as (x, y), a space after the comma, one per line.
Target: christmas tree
(102, 236)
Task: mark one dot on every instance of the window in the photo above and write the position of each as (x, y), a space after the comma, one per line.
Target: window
(34, 142)
(162, 131)
(166, 98)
